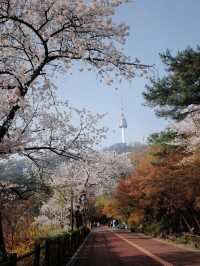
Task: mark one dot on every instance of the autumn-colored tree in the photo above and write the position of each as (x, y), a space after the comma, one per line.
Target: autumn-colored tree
(163, 189)
(18, 225)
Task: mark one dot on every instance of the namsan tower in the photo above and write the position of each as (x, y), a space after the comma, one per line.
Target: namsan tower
(123, 125)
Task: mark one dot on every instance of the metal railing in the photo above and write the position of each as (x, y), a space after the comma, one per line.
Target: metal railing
(54, 252)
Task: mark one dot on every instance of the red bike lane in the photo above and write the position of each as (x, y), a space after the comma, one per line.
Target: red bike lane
(107, 248)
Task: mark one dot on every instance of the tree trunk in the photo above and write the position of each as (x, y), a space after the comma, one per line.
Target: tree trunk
(2, 243)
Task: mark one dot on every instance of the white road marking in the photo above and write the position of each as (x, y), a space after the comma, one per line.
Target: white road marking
(156, 258)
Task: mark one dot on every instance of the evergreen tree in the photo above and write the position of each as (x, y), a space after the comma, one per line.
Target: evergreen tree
(178, 93)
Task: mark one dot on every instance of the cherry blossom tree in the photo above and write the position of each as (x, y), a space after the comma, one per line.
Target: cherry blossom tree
(47, 126)
(41, 37)
(92, 177)
(188, 129)
(97, 173)
(47, 131)
(55, 212)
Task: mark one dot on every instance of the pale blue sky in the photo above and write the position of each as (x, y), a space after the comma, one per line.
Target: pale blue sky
(155, 26)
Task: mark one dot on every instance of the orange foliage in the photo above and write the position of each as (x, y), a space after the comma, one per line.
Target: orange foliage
(164, 185)
(111, 209)
(19, 231)
(136, 217)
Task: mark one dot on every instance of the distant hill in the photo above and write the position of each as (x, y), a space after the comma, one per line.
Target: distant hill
(11, 169)
(15, 168)
(124, 148)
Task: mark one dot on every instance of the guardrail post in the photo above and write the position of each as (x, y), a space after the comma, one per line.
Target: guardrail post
(47, 253)
(64, 247)
(64, 252)
(68, 247)
(13, 259)
(58, 240)
(72, 244)
(37, 255)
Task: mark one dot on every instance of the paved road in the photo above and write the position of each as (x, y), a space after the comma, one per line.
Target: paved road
(108, 248)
